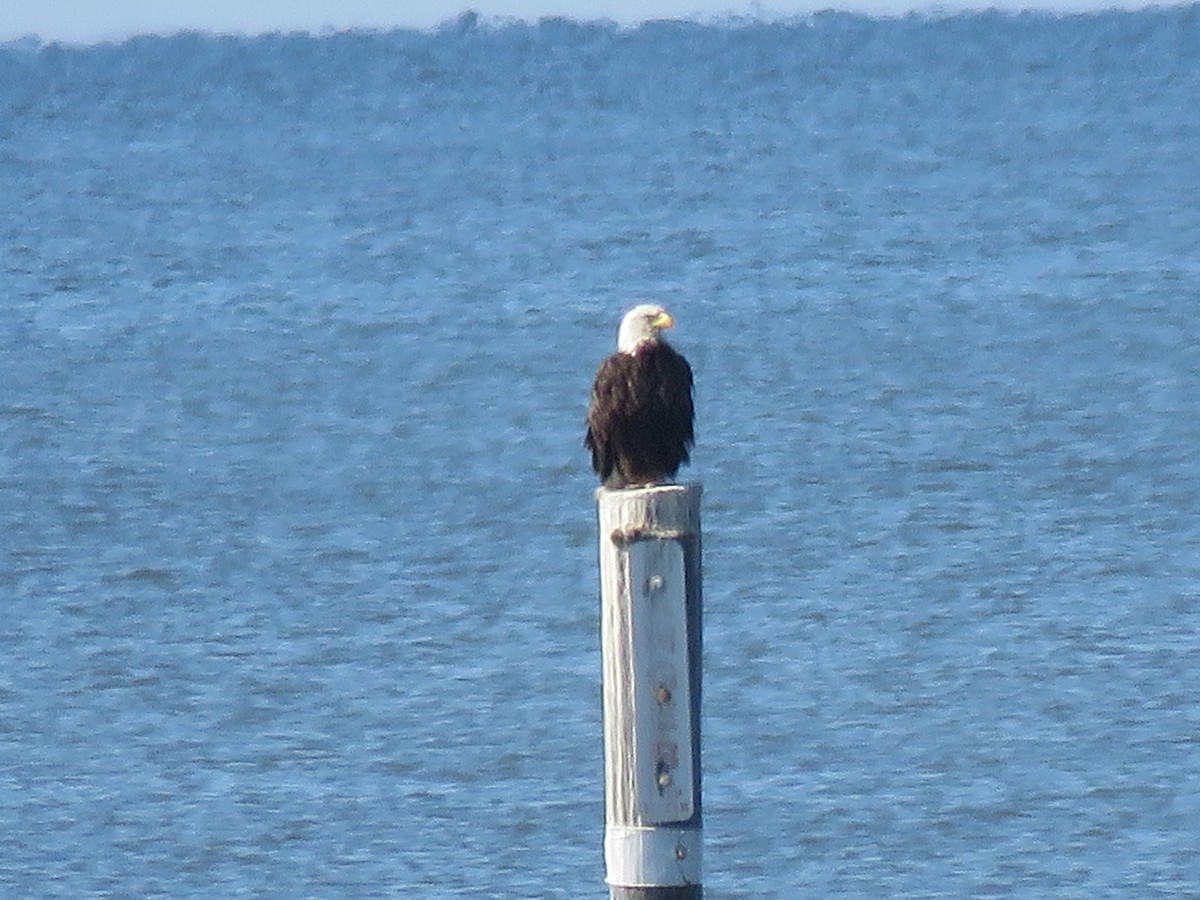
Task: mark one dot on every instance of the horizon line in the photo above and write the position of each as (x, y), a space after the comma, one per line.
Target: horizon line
(471, 19)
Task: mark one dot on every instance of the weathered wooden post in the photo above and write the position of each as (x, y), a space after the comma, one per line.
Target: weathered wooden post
(650, 632)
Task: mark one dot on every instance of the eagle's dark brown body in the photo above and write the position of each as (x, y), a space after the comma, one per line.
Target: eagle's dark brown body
(640, 422)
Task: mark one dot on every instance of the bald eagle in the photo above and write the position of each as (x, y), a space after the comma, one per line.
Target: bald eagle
(639, 424)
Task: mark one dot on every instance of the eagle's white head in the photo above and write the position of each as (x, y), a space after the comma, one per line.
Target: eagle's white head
(640, 325)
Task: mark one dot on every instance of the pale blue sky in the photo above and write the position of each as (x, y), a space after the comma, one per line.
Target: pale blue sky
(95, 20)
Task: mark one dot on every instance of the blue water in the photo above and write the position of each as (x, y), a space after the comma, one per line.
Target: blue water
(297, 542)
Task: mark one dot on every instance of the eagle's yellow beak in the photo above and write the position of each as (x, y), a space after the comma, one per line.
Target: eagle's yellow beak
(664, 321)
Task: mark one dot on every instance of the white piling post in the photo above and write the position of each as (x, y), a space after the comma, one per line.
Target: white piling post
(650, 630)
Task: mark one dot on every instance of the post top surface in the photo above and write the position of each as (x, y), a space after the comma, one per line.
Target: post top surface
(634, 492)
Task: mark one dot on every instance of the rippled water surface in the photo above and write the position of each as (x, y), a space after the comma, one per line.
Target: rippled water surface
(297, 543)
